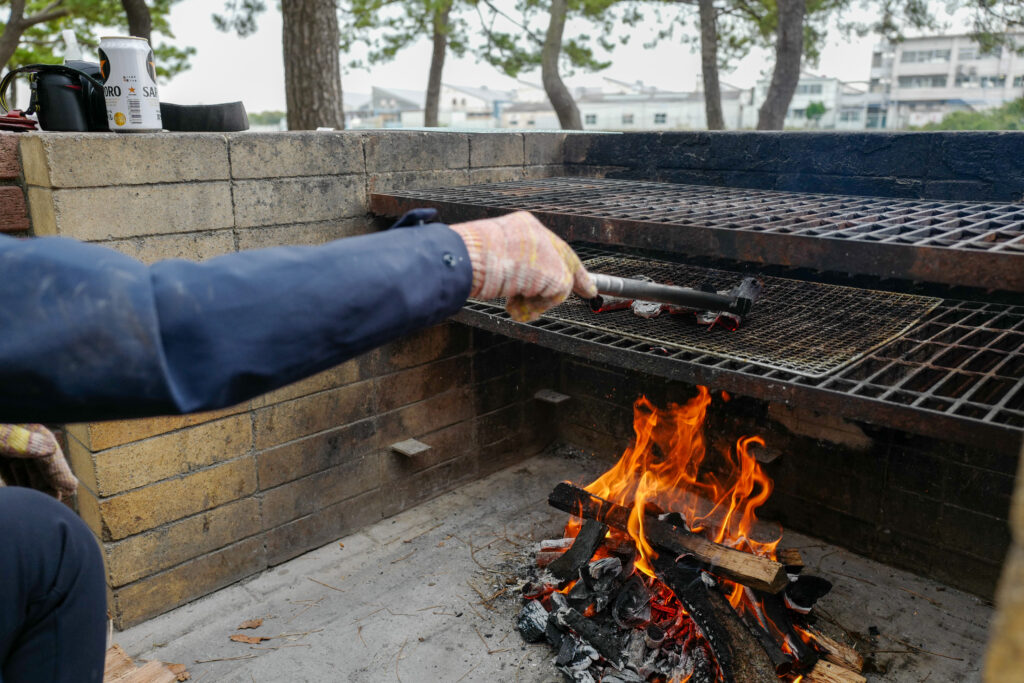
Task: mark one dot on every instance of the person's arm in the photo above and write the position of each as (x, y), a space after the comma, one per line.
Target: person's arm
(87, 333)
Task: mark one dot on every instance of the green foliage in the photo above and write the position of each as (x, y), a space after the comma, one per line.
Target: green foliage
(43, 43)
(239, 16)
(815, 110)
(1010, 116)
(266, 118)
(387, 27)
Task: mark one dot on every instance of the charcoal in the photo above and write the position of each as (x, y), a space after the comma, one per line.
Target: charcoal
(603, 303)
(682, 669)
(574, 659)
(654, 636)
(532, 621)
(632, 604)
(558, 602)
(567, 566)
(553, 634)
(805, 591)
(602, 639)
(601, 574)
(703, 669)
(635, 649)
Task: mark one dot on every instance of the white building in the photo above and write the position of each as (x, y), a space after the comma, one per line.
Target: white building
(845, 104)
(921, 80)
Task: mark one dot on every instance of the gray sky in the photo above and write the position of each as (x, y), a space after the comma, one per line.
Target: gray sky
(228, 68)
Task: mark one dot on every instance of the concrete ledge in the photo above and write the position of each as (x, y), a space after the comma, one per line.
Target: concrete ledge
(305, 153)
(104, 159)
(415, 151)
(196, 246)
(496, 149)
(301, 234)
(417, 180)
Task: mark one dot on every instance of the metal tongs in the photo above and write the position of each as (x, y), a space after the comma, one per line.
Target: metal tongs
(738, 301)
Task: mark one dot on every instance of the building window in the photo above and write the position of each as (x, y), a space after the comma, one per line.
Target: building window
(660, 118)
(627, 119)
(590, 119)
(923, 81)
(993, 81)
(809, 89)
(967, 54)
(1018, 81)
(924, 56)
(514, 122)
(531, 122)
(849, 115)
(455, 101)
(797, 113)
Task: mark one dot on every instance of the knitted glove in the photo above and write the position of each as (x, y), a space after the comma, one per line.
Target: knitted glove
(30, 456)
(516, 257)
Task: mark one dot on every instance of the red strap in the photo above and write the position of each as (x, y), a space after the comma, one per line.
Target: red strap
(17, 121)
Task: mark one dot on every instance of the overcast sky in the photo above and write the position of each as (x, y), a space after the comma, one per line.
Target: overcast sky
(228, 68)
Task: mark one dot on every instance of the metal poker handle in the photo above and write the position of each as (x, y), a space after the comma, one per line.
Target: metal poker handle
(627, 288)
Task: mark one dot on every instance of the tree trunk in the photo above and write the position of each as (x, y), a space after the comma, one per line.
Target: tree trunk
(140, 24)
(789, 50)
(437, 65)
(709, 65)
(561, 99)
(312, 72)
(12, 32)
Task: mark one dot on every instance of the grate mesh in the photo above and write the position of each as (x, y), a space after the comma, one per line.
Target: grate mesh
(806, 328)
(990, 227)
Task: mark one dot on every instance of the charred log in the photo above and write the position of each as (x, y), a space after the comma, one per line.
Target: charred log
(800, 595)
(782, 662)
(567, 567)
(602, 640)
(837, 653)
(827, 672)
(781, 626)
(735, 565)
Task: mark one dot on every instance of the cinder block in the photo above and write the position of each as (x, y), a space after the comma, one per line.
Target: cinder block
(193, 246)
(159, 593)
(416, 180)
(415, 151)
(284, 422)
(501, 424)
(111, 159)
(537, 172)
(149, 507)
(305, 496)
(98, 436)
(577, 148)
(10, 164)
(496, 149)
(481, 176)
(440, 341)
(501, 454)
(82, 463)
(144, 462)
(413, 421)
(346, 373)
(303, 234)
(416, 384)
(324, 526)
(298, 200)
(13, 212)
(545, 149)
(119, 212)
(424, 485)
(295, 153)
(153, 551)
(315, 453)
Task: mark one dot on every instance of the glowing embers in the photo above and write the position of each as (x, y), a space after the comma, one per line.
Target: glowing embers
(669, 575)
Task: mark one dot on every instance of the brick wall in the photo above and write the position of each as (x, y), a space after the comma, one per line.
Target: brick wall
(13, 212)
(974, 166)
(932, 507)
(186, 505)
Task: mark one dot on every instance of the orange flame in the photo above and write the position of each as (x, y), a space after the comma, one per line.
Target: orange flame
(667, 467)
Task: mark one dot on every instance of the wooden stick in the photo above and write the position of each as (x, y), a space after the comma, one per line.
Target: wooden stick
(744, 568)
(827, 672)
(837, 653)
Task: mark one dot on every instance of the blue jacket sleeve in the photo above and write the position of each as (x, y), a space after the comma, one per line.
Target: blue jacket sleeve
(87, 333)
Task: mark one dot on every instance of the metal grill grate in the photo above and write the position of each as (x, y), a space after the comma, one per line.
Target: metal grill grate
(962, 243)
(805, 328)
(958, 371)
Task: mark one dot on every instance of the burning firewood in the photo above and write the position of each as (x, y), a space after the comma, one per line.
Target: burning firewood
(837, 653)
(735, 565)
(827, 672)
(567, 566)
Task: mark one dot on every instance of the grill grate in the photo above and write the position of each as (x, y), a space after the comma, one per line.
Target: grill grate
(806, 328)
(960, 243)
(958, 371)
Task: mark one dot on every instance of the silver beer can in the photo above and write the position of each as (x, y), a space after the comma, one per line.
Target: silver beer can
(128, 69)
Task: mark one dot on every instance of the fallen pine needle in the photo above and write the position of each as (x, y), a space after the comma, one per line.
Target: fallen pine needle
(413, 538)
(398, 658)
(294, 635)
(223, 659)
(424, 609)
(359, 632)
(923, 597)
(281, 647)
(469, 672)
(404, 557)
(486, 646)
(918, 649)
(325, 585)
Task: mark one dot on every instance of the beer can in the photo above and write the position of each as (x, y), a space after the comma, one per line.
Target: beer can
(128, 69)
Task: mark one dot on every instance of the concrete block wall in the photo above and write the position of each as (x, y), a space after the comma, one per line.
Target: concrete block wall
(185, 505)
(968, 165)
(923, 504)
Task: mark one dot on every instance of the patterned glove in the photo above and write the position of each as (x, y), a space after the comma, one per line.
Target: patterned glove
(516, 257)
(30, 456)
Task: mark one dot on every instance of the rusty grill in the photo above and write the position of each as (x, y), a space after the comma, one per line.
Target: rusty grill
(959, 243)
(804, 328)
(958, 371)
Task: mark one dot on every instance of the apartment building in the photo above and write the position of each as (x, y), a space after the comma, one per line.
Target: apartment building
(920, 80)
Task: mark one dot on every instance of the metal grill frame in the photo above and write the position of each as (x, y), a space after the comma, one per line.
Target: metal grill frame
(973, 244)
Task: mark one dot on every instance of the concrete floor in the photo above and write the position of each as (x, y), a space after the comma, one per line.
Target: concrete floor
(404, 600)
